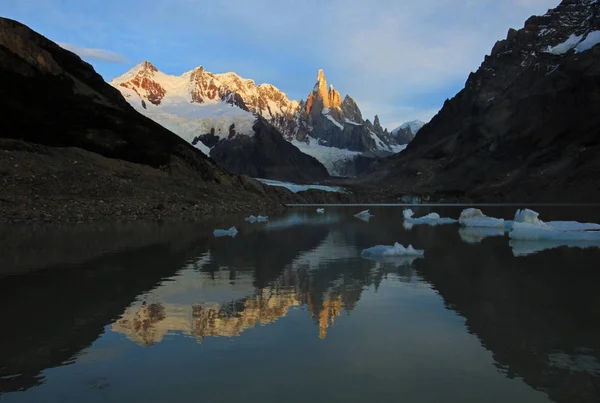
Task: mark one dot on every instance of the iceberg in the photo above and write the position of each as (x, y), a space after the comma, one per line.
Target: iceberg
(252, 219)
(321, 211)
(532, 217)
(525, 248)
(392, 251)
(472, 217)
(364, 215)
(524, 231)
(430, 219)
(474, 235)
(232, 232)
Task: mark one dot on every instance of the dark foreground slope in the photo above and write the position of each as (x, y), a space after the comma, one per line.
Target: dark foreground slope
(71, 147)
(526, 127)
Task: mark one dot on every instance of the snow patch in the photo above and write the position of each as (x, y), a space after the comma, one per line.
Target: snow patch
(352, 123)
(580, 43)
(335, 122)
(591, 40)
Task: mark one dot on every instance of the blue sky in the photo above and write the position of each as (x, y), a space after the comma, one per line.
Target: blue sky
(399, 59)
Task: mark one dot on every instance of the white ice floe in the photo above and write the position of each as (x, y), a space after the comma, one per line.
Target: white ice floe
(472, 217)
(477, 234)
(392, 251)
(525, 248)
(232, 232)
(364, 215)
(528, 216)
(429, 219)
(535, 232)
(321, 211)
(532, 217)
(252, 219)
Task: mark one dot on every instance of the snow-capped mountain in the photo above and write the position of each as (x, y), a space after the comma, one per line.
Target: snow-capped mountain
(201, 107)
(229, 113)
(201, 87)
(340, 124)
(413, 125)
(406, 132)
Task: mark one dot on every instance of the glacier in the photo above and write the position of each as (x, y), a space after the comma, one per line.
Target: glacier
(294, 188)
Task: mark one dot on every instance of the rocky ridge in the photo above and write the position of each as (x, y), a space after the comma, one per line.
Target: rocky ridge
(525, 127)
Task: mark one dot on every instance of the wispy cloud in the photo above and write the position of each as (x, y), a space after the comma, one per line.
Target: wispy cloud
(399, 59)
(96, 54)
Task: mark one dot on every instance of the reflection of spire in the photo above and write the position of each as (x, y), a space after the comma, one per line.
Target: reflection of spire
(329, 310)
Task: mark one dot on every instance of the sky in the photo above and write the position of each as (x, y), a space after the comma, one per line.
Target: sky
(398, 59)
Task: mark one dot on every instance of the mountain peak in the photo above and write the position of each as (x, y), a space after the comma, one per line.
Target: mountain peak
(147, 66)
(321, 76)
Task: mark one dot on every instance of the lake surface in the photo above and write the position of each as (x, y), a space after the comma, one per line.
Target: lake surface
(288, 311)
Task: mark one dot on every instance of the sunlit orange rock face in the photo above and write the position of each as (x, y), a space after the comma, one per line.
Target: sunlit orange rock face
(144, 80)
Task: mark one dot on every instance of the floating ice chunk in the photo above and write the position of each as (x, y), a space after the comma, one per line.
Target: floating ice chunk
(252, 219)
(430, 219)
(532, 217)
(528, 216)
(391, 251)
(321, 211)
(232, 232)
(525, 248)
(478, 234)
(472, 217)
(535, 232)
(573, 226)
(364, 215)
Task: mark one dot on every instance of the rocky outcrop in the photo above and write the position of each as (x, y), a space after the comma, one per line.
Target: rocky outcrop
(525, 127)
(337, 123)
(266, 154)
(351, 110)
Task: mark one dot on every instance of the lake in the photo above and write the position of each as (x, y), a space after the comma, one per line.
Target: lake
(288, 311)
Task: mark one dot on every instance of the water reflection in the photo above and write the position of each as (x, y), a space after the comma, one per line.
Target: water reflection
(537, 316)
